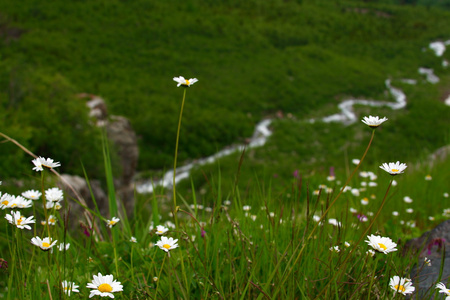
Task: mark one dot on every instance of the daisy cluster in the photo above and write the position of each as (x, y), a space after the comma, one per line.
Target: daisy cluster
(101, 285)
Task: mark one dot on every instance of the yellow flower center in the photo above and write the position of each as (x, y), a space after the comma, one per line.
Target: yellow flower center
(19, 221)
(5, 202)
(394, 170)
(13, 205)
(382, 246)
(167, 246)
(399, 288)
(187, 82)
(112, 222)
(46, 245)
(105, 288)
(52, 220)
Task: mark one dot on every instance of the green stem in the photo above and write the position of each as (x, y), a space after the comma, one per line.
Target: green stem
(286, 275)
(159, 277)
(175, 162)
(116, 262)
(342, 267)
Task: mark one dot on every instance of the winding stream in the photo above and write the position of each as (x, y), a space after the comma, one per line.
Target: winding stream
(262, 131)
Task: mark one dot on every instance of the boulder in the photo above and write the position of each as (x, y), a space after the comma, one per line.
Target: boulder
(435, 246)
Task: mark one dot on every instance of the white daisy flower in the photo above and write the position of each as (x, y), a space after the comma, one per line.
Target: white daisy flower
(184, 82)
(427, 261)
(133, 239)
(355, 161)
(51, 204)
(395, 213)
(160, 230)
(246, 207)
(331, 178)
(41, 162)
(69, 287)
(373, 122)
(167, 244)
(172, 225)
(51, 220)
(347, 244)
(112, 222)
(443, 289)
(335, 249)
(54, 194)
(20, 221)
(334, 222)
(18, 202)
(365, 201)
(381, 244)
(394, 168)
(104, 286)
(370, 252)
(32, 194)
(401, 285)
(355, 192)
(63, 246)
(44, 244)
(407, 199)
(4, 200)
(372, 176)
(428, 177)
(409, 210)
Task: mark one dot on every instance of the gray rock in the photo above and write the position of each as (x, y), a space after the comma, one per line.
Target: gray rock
(435, 246)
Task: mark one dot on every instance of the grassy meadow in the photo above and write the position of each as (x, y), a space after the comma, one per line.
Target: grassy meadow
(289, 220)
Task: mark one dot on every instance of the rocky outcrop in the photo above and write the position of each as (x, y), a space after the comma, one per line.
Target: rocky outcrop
(80, 185)
(435, 246)
(124, 141)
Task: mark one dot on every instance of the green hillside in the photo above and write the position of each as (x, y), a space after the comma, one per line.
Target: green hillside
(252, 59)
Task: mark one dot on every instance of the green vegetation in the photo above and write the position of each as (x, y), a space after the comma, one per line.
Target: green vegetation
(252, 58)
(248, 225)
(255, 245)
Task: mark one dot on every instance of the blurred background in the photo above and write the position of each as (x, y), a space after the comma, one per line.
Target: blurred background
(291, 61)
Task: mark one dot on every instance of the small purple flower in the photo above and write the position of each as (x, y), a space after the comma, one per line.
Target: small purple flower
(86, 230)
(362, 218)
(295, 174)
(435, 242)
(332, 171)
(203, 233)
(3, 264)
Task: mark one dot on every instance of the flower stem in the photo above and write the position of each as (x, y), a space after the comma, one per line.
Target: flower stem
(305, 241)
(159, 277)
(342, 266)
(175, 162)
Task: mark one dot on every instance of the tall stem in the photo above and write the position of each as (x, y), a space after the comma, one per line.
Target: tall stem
(342, 266)
(175, 162)
(338, 195)
(305, 241)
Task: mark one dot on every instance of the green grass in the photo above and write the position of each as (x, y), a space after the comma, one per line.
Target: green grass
(300, 57)
(252, 59)
(261, 244)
